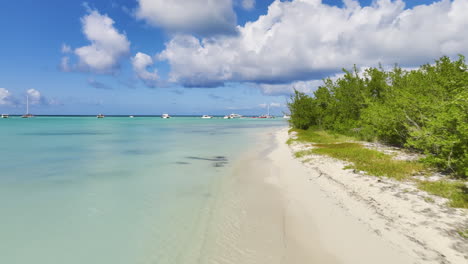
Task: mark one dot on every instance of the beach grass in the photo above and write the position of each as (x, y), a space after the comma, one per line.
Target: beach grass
(319, 136)
(339, 146)
(376, 163)
(371, 161)
(303, 153)
(456, 192)
(463, 233)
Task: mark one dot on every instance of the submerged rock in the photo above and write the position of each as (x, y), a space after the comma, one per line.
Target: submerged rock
(216, 158)
(218, 161)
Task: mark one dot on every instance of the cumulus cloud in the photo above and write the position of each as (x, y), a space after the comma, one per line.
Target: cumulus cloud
(201, 17)
(35, 97)
(307, 87)
(107, 46)
(248, 4)
(303, 40)
(140, 63)
(6, 97)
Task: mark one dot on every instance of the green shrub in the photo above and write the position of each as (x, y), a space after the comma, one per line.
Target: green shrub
(424, 109)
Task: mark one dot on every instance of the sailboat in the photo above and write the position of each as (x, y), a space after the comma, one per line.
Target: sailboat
(268, 113)
(27, 115)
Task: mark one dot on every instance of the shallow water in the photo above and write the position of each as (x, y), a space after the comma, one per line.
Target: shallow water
(113, 190)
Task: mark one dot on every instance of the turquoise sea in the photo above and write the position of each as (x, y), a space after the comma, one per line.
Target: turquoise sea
(113, 190)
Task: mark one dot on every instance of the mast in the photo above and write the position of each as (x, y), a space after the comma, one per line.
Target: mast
(268, 110)
(27, 104)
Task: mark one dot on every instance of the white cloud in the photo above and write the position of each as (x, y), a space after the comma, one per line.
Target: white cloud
(307, 87)
(275, 105)
(5, 97)
(66, 48)
(202, 17)
(140, 63)
(248, 4)
(34, 96)
(107, 46)
(271, 105)
(305, 40)
(65, 64)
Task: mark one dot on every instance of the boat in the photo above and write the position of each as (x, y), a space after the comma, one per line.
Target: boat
(5, 116)
(27, 115)
(232, 116)
(100, 116)
(131, 116)
(268, 113)
(165, 116)
(286, 116)
(206, 117)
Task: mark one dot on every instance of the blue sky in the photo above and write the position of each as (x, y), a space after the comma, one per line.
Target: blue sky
(232, 56)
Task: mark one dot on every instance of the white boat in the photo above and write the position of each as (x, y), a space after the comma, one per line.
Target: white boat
(131, 116)
(100, 116)
(27, 115)
(165, 116)
(286, 117)
(231, 116)
(206, 117)
(5, 116)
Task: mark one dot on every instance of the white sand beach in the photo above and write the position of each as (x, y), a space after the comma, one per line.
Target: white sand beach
(276, 209)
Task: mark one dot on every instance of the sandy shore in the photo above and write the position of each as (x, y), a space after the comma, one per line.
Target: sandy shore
(275, 209)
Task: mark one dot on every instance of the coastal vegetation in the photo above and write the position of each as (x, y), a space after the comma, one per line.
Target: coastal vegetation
(363, 159)
(377, 163)
(456, 192)
(424, 110)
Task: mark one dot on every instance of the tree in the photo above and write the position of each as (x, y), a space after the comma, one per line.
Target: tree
(302, 109)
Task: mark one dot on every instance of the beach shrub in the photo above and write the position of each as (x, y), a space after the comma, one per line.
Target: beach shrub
(301, 109)
(424, 109)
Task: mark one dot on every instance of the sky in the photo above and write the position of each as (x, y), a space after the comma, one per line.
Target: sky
(206, 56)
